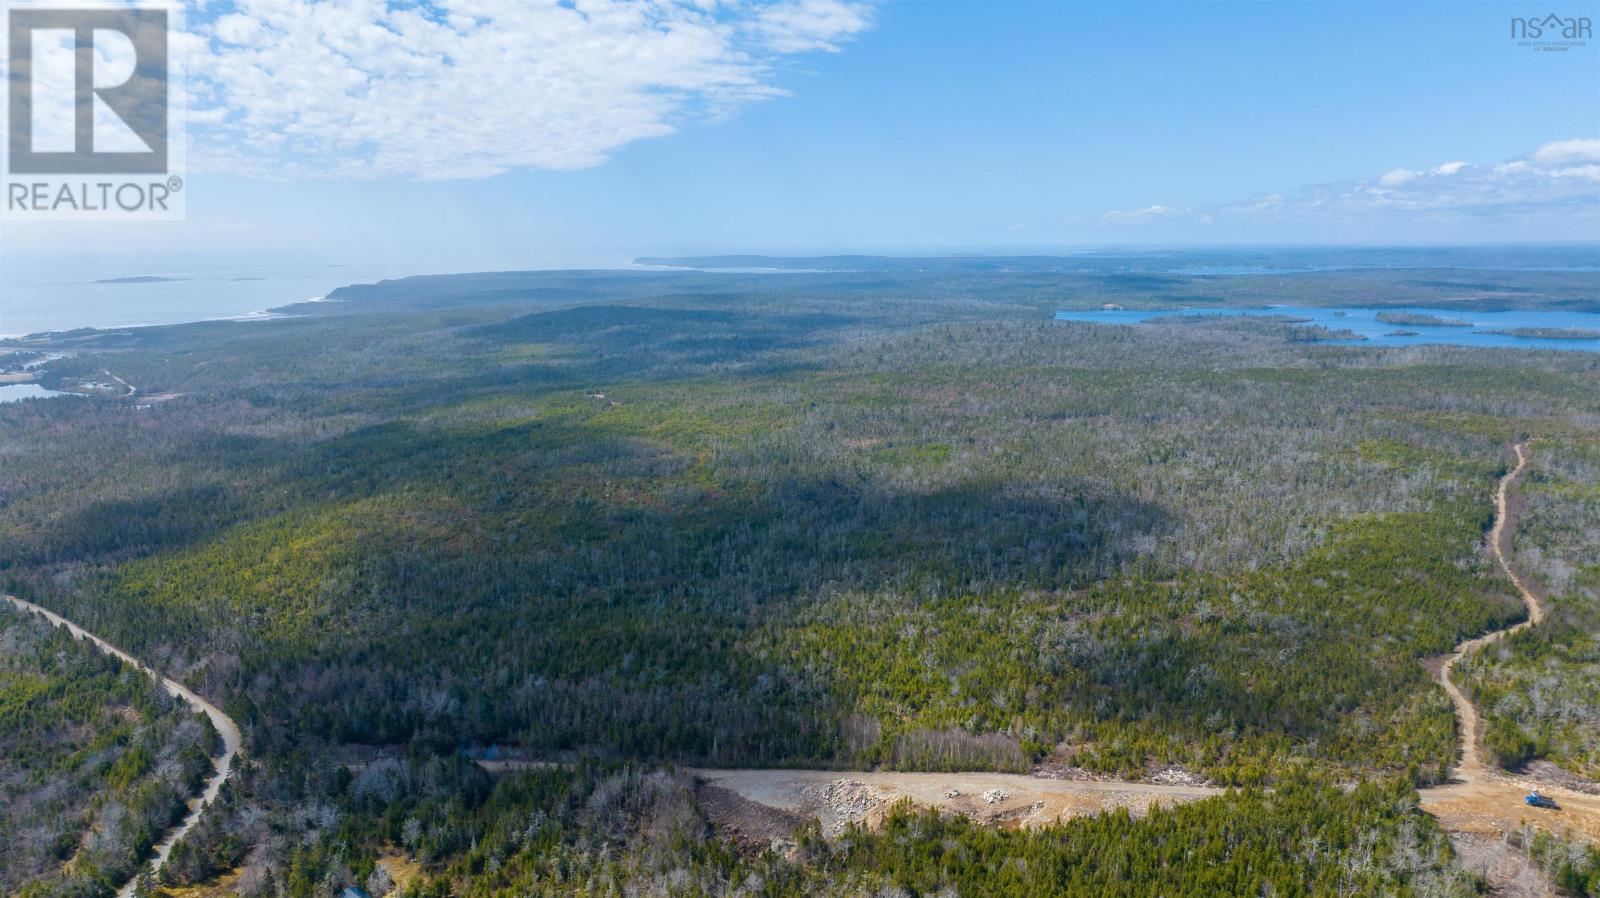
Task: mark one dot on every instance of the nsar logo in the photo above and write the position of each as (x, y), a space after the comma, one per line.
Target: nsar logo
(1552, 32)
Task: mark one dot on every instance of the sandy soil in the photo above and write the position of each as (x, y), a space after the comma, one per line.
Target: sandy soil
(1495, 807)
(838, 798)
(1481, 804)
(1470, 768)
(1481, 807)
(1482, 800)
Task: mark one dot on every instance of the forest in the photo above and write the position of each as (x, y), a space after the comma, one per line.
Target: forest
(615, 830)
(895, 519)
(1542, 688)
(96, 762)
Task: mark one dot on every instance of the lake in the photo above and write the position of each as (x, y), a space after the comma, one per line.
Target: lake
(1365, 323)
(19, 392)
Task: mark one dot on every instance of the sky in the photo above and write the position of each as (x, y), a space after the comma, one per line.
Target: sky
(463, 135)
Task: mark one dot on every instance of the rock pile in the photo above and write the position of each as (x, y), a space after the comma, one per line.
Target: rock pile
(1176, 776)
(845, 802)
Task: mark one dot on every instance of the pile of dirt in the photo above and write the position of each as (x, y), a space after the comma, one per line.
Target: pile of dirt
(1010, 818)
(752, 827)
(1544, 772)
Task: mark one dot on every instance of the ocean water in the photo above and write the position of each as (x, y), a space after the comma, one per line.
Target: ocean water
(1364, 323)
(125, 289)
(60, 300)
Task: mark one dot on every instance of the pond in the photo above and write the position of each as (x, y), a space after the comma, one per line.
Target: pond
(19, 392)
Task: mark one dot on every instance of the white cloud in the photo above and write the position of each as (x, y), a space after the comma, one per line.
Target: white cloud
(1560, 152)
(473, 88)
(800, 25)
(1561, 178)
(1400, 176)
(1583, 172)
(1558, 182)
(1156, 214)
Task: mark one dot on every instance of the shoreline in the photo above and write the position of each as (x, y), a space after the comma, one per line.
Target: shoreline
(270, 313)
(645, 266)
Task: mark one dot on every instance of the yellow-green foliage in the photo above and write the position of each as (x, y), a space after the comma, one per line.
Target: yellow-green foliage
(1317, 660)
(1540, 689)
(597, 832)
(81, 739)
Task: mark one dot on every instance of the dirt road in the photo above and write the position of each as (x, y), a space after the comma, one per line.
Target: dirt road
(130, 387)
(1470, 768)
(1479, 801)
(222, 765)
(1482, 800)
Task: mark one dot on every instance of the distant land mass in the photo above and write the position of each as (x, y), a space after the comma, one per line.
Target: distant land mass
(1551, 333)
(1420, 318)
(1546, 279)
(140, 279)
(1203, 261)
(675, 562)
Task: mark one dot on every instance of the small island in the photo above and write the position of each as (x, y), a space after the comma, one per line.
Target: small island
(1316, 333)
(1403, 333)
(1414, 319)
(1551, 333)
(140, 279)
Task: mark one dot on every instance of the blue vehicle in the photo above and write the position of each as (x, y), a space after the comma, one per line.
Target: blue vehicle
(1534, 799)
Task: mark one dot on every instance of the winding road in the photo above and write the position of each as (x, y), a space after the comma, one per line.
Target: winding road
(1478, 800)
(1470, 768)
(222, 765)
(1485, 800)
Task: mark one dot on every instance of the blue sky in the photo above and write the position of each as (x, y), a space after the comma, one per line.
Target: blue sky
(831, 125)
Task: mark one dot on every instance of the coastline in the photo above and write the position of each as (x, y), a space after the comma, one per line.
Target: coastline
(270, 313)
(193, 298)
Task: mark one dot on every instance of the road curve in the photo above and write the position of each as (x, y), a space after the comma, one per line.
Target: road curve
(1470, 768)
(229, 731)
(1477, 798)
(1485, 800)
